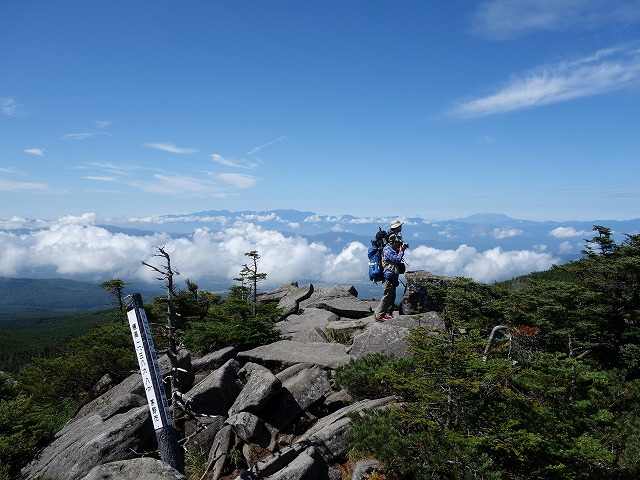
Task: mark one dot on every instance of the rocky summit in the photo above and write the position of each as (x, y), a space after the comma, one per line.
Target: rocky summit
(276, 404)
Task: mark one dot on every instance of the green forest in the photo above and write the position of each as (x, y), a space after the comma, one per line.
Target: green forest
(534, 378)
(554, 395)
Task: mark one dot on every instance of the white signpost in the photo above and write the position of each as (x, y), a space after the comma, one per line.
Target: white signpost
(152, 382)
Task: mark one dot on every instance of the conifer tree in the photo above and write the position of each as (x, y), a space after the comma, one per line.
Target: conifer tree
(251, 274)
(116, 286)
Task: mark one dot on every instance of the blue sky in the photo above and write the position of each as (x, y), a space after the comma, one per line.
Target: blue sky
(527, 108)
(113, 109)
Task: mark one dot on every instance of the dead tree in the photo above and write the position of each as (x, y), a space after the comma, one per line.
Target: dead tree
(492, 337)
(167, 273)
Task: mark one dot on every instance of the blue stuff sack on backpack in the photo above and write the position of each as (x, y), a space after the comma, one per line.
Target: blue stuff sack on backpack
(375, 264)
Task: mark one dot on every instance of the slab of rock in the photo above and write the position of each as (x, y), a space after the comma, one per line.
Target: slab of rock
(303, 385)
(337, 400)
(216, 392)
(288, 352)
(135, 469)
(277, 294)
(363, 469)
(416, 298)
(338, 415)
(330, 440)
(381, 338)
(214, 360)
(131, 385)
(307, 383)
(121, 405)
(201, 432)
(313, 334)
(348, 306)
(343, 331)
(309, 465)
(291, 302)
(328, 293)
(428, 320)
(307, 326)
(219, 451)
(246, 426)
(274, 462)
(260, 386)
(93, 442)
(324, 436)
(390, 337)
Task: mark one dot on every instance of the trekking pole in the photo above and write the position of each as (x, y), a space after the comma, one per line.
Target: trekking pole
(152, 383)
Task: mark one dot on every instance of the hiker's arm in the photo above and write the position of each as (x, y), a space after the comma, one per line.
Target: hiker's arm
(391, 256)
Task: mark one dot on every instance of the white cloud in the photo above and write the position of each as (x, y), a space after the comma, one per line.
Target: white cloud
(488, 266)
(566, 247)
(169, 147)
(221, 220)
(260, 147)
(567, 232)
(447, 232)
(74, 245)
(361, 220)
(78, 136)
(183, 186)
(35, 151)
(500, 233)
(503, 19)
(233, 163)
(110, 169)
(100, 178)
(604, 71)
(262, 218)
(16, 222)
(84, 219)
(238, 179)
(9, 107)
(33, 187)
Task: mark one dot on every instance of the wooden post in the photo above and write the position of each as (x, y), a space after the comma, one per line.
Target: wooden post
(152, 383)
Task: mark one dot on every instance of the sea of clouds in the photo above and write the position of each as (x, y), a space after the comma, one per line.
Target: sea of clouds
(74, 246)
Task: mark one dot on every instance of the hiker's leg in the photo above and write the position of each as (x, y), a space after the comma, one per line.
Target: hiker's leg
(387, 300)
(392, 296)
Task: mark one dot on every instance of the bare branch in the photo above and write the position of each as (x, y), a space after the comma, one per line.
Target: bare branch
(491, 338)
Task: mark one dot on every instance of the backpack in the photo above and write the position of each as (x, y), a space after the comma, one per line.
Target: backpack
(376, 273)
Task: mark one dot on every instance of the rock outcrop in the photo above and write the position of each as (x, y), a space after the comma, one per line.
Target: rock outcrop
(416, 298)
(267, 413)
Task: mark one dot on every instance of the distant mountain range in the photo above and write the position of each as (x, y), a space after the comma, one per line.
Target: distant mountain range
(482, 231)
(35, 296)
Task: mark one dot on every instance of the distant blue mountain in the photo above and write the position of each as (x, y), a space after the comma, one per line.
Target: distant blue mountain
(482, 231)
(486, 218)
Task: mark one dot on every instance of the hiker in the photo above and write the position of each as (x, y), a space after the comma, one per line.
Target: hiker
(391, 261)
(396, 227)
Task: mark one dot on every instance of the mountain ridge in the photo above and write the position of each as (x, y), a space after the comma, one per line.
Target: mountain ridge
(482, 231)
(485, 246)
